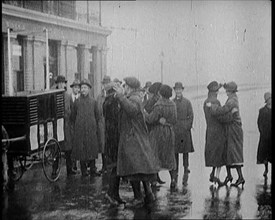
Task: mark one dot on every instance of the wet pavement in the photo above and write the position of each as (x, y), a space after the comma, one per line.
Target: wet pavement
(76, 197)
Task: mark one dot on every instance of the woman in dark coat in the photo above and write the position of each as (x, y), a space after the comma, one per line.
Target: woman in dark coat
(264, 153)
(215, 138)
(162, 137)
(185, 116)
(136, 159)
(85, 120)
(234, 133)
(153, 98)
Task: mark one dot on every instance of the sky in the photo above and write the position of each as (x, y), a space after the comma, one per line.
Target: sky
(201, 41)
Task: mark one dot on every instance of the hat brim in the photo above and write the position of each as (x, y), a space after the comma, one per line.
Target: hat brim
(86, 84)
(74, 85)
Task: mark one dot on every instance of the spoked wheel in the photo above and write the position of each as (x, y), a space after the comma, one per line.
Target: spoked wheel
(52, 160)
(18, 169)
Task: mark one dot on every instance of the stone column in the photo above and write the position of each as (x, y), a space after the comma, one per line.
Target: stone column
(71, 60)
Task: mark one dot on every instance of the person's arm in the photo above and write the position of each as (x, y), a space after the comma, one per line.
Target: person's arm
(130, 106)
(220, 110)
(188, 122)
(154, 116)
(260, 122)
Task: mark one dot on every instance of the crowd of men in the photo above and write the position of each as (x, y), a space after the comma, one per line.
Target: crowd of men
(140, 131)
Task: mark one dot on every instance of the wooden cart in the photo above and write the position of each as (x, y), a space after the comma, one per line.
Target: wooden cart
(34, 122)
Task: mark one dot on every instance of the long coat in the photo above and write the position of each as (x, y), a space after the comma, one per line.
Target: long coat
(234, 132)
(135, 155)
(112, 115)
(101, 122)
(264, 152)
(67, 144)
(183, 141)
(215, 138)
(162, 137)
(149, 107)
(85, 120)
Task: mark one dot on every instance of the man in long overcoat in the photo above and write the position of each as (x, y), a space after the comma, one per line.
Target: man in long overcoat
(136, 159)
(66, 146)
(264, 153)
(183, 137)
(85, 120)
(101, 122)
(75, 86)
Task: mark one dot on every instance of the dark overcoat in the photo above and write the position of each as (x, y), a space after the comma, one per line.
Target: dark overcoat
(101, 122)
(85, 121)
(135, 155)
(67, 144)
(112, 115)
(183, 141)
(215, 139)
(149, 107)
(264, 152)
(162, 137)
(233, 130)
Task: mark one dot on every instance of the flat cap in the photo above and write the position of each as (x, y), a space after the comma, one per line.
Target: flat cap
(132, 82)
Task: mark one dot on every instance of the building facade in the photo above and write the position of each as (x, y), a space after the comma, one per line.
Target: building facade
(77, 43)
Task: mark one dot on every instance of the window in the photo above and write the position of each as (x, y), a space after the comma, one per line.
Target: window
(3, 65)
(53, 60)
(18, 62)
(67, 9)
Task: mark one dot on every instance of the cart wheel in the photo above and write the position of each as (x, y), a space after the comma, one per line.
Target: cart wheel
(28, 162)
(51, 160)
(18, 169)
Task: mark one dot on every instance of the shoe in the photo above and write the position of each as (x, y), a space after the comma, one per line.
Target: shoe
(70, 173)
(238, 182)
(227, 179)
(112, 200)
(211, 178)
(265, 173)
(217, 180)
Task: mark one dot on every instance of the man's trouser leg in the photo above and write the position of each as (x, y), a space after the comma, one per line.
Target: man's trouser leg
(69, 163)
(136, 189)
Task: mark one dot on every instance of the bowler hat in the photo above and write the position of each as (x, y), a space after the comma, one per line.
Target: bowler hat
(214, 86)
(76, 82)
(166, 91)
(154, 88)
(86, 82)
(60, 78)
(178, 85)
(147, 84)
(267, 96)
(231, 87)
(132, 82)
(106, 79)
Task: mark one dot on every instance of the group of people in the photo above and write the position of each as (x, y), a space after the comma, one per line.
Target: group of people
(224, 134)
(141, 131)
